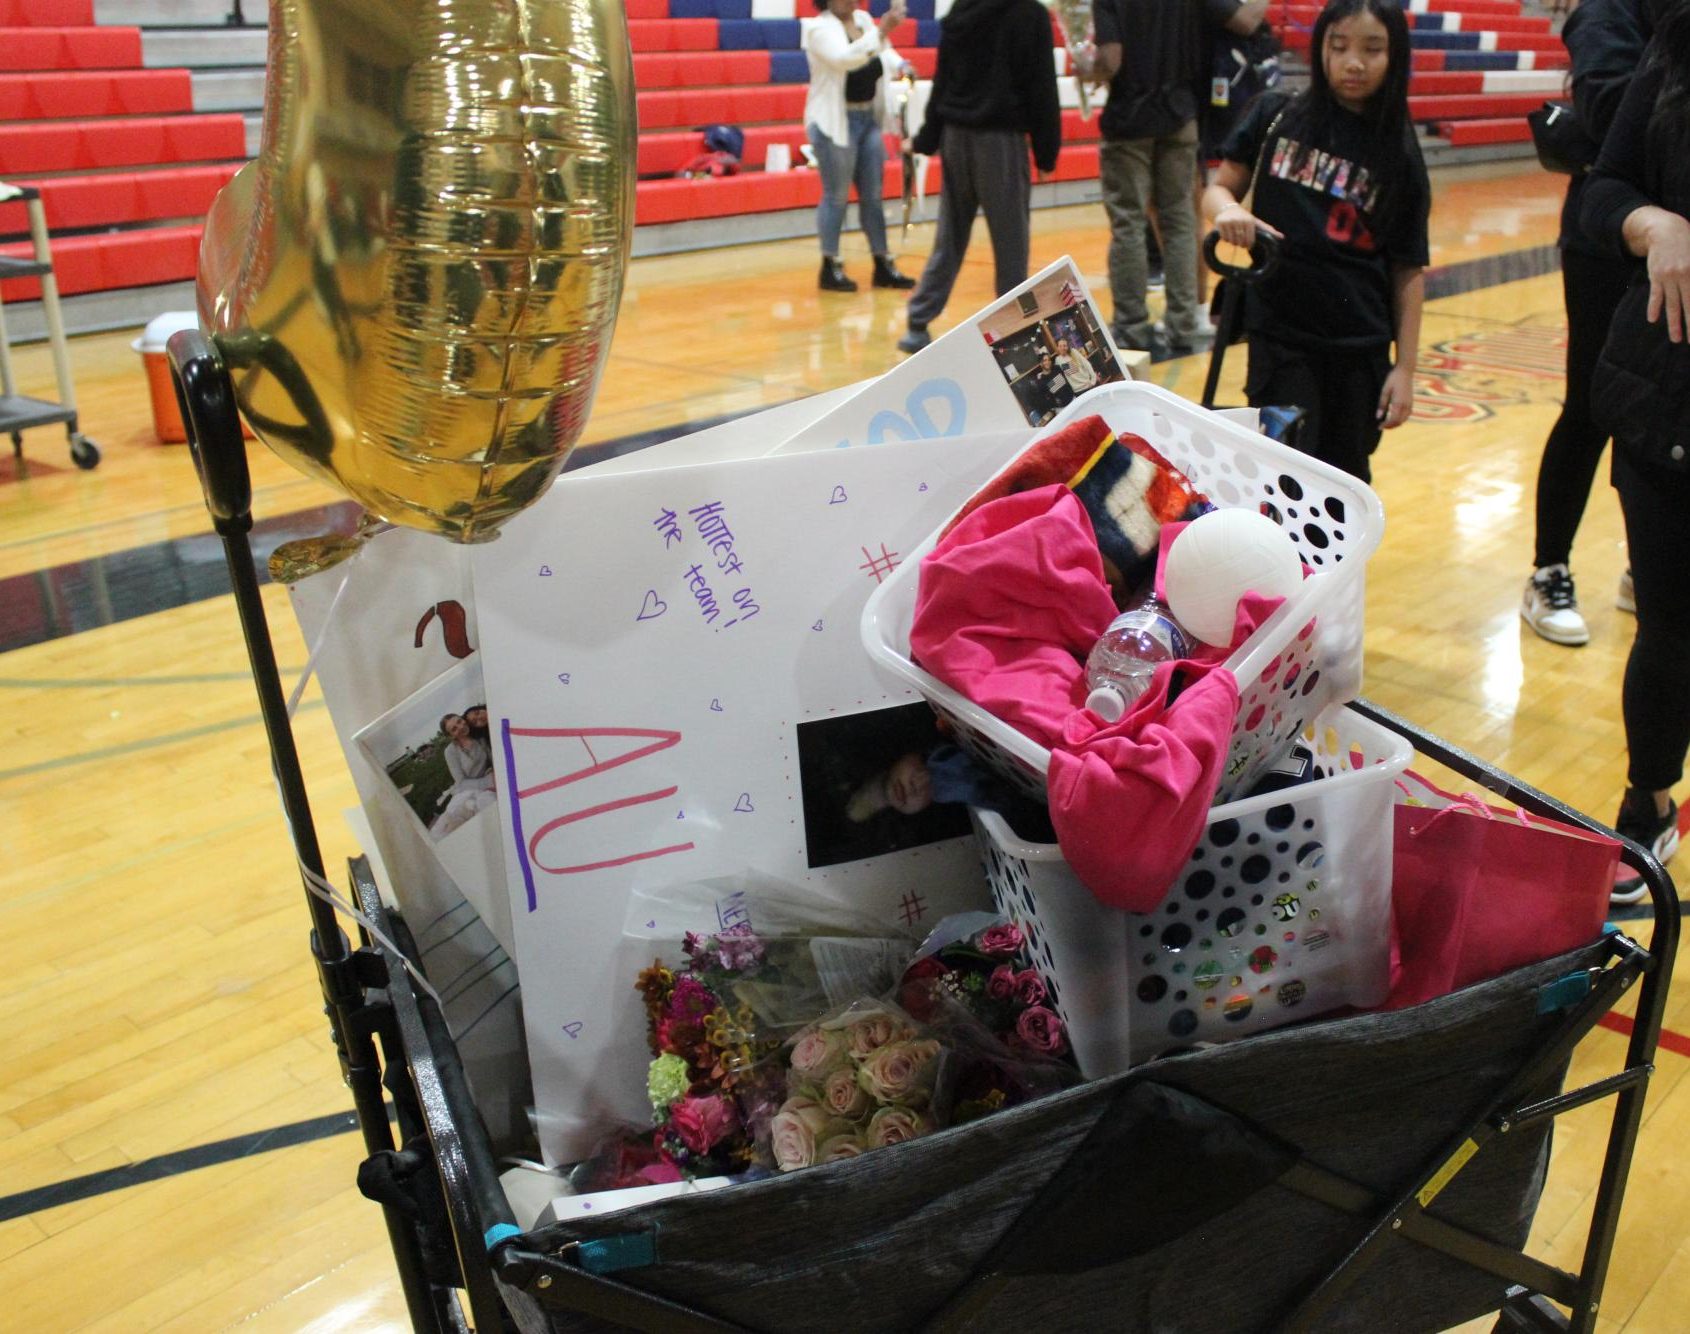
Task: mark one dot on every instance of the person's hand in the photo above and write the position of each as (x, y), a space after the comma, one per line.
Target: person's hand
(1669, 276)
(1238, 226)
(892, 18)
(1396, 399)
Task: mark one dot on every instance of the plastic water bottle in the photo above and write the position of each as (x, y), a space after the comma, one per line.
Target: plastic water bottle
(1119, 668)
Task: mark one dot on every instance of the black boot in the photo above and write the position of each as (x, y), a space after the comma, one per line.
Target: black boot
(833, 277)
(886, 274)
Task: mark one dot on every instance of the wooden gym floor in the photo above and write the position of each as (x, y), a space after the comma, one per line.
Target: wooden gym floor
(161, 1024)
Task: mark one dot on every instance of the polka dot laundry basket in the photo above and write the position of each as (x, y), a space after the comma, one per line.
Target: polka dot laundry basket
(1283, 912)
(1307, 655)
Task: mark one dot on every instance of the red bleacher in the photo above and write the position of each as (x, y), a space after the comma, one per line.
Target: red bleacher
(46, 13)
(112, 145)
(111, 260)
(135, 142)
(79, 203)
(69, 49)
(61, 96)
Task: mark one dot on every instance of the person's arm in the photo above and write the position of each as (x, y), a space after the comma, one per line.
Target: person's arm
(1236, 224)
(1605, 40)
(1038, 74)
(928, 136)
(829, 44)
(1106, 64)
(1408, 297)
(1614, 190)
(1247, 18)
(455, 765)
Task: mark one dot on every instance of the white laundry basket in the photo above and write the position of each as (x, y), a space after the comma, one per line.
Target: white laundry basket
(1307, 655)
(1282, 913)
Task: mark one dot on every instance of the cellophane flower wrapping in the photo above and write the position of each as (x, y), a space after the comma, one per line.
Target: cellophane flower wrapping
(716, 1019)
(973, 985)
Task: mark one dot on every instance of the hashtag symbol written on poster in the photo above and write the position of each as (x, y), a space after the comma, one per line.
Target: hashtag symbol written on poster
(879, 566)
(913, 907)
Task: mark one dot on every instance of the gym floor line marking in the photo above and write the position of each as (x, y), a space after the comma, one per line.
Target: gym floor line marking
(41, 1198)
(1624, 1025)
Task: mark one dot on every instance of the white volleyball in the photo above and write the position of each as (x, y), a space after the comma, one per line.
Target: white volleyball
(1219, 558)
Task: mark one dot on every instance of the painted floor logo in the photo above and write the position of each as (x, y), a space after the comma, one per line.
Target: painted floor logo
(1465, 379)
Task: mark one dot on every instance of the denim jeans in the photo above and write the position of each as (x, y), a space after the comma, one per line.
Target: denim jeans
(862, 161)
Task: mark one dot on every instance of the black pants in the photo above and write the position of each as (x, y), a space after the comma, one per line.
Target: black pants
(1592, 287)
(1656, 503)
(1338, 392)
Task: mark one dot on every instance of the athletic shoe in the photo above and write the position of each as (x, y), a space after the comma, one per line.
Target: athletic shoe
(1639, 822)
(1551, 607)
(1626, 598)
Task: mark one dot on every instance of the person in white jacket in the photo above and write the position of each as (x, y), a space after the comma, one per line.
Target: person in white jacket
(844, 116)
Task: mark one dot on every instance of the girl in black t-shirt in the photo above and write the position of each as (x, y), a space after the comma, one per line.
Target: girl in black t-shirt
(1340, 183)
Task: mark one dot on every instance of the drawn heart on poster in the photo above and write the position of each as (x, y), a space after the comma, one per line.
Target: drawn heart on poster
(715, 706)
(652, 607)
(743, 805)
(838, 497)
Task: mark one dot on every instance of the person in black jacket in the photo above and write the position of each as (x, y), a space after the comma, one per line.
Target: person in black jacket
(1637, 202)
(995, 87)
(1605, 39)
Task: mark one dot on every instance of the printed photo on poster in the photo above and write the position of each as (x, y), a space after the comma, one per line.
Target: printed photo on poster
(436, 750)
(1050, 344)
(866, 785)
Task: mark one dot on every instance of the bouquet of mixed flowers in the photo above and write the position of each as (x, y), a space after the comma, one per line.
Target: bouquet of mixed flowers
(706, 1046)
(858, 1080)
(974, 965)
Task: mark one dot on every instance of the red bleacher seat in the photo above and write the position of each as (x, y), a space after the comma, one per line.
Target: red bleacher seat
(46, 13)
(700, 69)
(1463, 106)
(112, 260)
(647, 9)
(1450, 82)
(62, 96)
(137, 142)
(684, 108)
(1504, 130)
(77, 203)
(69, 48)
(647, 36)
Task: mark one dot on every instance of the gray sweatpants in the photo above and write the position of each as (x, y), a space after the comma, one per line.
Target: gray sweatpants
(983, 169)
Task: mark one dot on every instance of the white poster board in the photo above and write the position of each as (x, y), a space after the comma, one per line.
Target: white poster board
(679, 692)
(984, 375)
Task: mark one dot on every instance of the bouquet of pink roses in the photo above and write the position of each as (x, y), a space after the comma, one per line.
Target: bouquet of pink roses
(858, 1080)
(971, 975)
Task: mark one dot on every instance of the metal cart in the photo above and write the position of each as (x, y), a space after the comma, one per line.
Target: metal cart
(1370, 1172)
(19, 413)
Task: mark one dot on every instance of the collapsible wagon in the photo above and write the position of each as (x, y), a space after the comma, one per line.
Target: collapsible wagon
(1372, 1172)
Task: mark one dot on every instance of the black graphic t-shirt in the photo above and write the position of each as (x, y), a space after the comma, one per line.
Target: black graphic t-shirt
(1333, 284)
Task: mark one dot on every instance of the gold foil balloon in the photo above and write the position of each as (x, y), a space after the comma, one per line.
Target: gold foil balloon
(415, 282)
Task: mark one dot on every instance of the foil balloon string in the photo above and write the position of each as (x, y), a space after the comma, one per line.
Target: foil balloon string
(415, 282)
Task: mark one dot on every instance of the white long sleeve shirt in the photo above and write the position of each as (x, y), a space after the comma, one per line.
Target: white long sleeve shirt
(833, 53)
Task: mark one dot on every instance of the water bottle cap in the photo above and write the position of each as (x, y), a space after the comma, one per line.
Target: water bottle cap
(1107, 703)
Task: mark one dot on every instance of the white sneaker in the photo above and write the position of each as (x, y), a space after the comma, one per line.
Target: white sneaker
(1626, 598)
(1551, 607)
